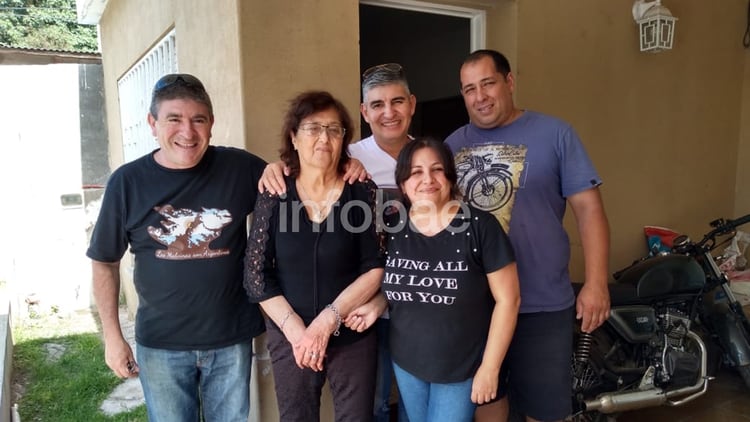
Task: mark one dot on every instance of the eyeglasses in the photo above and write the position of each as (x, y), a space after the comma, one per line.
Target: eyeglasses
(316, 129)
(387, 67)
(173, 78)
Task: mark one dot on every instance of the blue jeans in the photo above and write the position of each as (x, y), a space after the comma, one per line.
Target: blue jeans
(433, 402)
(384, 378)
(182, 385)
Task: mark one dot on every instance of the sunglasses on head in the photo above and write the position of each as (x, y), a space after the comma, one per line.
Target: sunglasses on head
(174, 78)
(387, 67)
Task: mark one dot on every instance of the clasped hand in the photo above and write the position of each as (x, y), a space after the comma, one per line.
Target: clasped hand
(363, 316)
(310, 349)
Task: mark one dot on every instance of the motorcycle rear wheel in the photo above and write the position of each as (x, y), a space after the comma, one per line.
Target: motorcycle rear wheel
(592, 417)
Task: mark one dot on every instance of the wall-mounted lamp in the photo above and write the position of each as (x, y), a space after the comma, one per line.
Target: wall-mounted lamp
(656, 25)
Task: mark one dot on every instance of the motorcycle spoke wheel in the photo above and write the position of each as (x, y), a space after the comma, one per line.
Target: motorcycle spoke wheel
(592, 417)
(585, 376)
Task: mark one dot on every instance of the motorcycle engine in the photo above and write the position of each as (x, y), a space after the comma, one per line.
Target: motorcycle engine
(679, 366)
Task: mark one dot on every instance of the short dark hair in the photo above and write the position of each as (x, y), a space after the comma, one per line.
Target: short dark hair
(405, 157)
(502, 65)
(179, 86)
(383, 74)
(301, 106)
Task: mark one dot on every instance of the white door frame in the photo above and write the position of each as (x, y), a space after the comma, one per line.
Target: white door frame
(478, 18)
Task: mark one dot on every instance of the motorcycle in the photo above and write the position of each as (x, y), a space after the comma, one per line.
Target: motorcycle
(673, 321)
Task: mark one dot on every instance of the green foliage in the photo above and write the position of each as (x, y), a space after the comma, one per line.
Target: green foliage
(72, 387)
(46, 24)
(69, 389)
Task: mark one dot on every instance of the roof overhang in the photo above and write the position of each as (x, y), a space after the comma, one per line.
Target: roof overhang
(24, 56)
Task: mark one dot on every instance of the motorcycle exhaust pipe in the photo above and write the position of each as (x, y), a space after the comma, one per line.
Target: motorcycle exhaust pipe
(630, 400)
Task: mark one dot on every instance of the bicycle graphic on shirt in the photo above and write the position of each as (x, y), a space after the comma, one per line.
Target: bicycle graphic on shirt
(488, 185)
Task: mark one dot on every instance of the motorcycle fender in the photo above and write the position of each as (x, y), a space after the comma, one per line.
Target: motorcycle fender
(731, 334)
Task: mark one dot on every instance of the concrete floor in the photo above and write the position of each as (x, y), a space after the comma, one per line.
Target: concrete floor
(727, 400)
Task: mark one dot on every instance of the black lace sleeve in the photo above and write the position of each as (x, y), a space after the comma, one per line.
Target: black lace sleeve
(257, 244)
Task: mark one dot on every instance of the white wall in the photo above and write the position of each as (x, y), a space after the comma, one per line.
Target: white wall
(43, 243)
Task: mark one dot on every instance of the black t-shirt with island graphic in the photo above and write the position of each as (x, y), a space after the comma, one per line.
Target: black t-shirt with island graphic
(187, 230)
(438, 295)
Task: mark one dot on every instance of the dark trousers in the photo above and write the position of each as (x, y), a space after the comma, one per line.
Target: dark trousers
(349, 369)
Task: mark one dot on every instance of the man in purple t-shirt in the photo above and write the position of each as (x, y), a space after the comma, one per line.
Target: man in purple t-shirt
(524, 167)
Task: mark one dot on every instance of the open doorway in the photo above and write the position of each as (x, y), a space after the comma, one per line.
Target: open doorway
(430, 41)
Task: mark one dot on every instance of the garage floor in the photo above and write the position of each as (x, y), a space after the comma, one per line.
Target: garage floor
(727, 400)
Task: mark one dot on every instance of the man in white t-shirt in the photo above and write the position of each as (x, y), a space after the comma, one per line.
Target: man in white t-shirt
(387, 106)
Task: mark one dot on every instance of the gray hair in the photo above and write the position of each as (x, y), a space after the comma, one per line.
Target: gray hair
(383, 74)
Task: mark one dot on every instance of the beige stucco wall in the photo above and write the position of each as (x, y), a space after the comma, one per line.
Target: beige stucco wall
(666, 130)
(663, 128)
(669, 132)
(742, 190)
(289, 46)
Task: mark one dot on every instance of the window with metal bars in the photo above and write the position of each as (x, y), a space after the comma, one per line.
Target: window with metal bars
(134, 90)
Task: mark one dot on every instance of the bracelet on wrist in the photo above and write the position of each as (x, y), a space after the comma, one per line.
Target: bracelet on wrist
(283, 320)
(335, 311)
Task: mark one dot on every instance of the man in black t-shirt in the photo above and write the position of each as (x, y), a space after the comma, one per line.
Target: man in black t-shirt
(182, 210)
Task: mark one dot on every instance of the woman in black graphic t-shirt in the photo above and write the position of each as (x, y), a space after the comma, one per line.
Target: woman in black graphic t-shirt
(450, 284)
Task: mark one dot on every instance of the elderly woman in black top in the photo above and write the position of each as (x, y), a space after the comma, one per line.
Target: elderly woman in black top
(312, 257)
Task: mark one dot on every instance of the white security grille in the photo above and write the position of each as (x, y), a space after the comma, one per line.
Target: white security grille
(134, 90)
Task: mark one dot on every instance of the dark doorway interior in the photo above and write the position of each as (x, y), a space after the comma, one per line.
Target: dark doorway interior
(431, 48)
